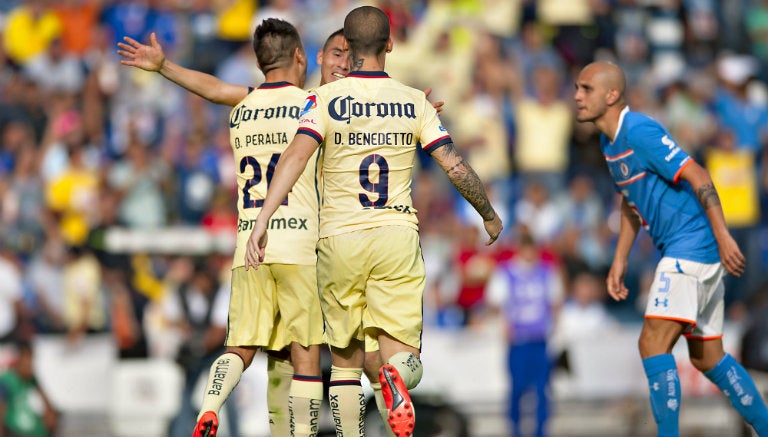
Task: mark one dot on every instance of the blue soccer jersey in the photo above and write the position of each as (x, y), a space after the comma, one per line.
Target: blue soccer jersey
(646, 163)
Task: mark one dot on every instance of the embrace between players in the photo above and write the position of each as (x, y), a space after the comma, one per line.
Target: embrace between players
(353, 276)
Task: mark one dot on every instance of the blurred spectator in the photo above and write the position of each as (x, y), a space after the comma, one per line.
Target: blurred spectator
(582, 212)
(24, 406)
(29, 29)
(479, 117)
(221, 217)
(756, 21)
(196, 174)
(84, 304)
(71, 197)
(544, 124)
(473, 262)
(537, 211)
(734, 173)
(282, 9)
(11, 294)
(584, 315)
(139, 182)
(44, 280)
(79, 19)
(688, 118)
(747, 119)
(528, 290)
(22, 208)
(57, 71)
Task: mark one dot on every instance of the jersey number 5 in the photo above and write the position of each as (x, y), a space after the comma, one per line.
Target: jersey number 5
(250, 161)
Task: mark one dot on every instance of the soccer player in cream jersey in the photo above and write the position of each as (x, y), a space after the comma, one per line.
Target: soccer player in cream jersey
(370, 269)
(277, 309)
(334, 64)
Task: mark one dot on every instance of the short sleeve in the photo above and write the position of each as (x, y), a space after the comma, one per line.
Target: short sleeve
(433, 134)
(312, 120)
(659, 151)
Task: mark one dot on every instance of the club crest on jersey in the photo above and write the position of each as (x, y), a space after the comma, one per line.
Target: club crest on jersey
(624, 168)
(346, 108)
(309, 103)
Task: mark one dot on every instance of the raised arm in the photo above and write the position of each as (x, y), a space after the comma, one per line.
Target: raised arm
(469, 185)
(701, 182)
(151, 58)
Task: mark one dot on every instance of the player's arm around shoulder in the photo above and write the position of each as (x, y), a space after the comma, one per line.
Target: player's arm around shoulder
(469, 185)
(701, 182)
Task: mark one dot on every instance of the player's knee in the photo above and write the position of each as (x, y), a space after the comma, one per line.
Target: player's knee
(372, 364)
(246, 354)
(409, 366)
(704, 364)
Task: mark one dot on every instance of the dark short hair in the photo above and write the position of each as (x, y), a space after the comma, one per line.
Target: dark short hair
(330, 38)
(367, 30)
(274, 42)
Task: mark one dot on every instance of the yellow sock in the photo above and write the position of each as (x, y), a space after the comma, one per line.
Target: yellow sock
(306, 395)
(382, 407)
(345, 395)
(223, 377)
(279, 375)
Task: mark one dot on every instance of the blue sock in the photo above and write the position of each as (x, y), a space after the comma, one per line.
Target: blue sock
(664, 386)
(733, 380)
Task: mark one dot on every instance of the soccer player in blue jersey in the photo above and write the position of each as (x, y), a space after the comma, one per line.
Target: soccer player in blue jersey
(665, 191)
(370, 270)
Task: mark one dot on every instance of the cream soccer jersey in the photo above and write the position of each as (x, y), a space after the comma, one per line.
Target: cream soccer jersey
(260, 128)
(369, 126)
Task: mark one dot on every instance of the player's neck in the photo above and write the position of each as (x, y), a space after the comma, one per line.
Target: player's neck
(608, 124)
(281, 75)
(367, 62)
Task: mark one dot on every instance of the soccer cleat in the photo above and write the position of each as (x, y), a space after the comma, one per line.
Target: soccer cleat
(402, 417)
(207, 425)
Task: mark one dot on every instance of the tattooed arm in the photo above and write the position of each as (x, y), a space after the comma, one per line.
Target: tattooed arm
(702, 185)
(469, 185)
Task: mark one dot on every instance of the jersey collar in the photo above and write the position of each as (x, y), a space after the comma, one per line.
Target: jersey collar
(621, 122)
(368, 74)
(272, 85)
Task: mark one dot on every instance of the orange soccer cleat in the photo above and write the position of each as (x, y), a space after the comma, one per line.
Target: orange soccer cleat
(207, 425)
(402, 417)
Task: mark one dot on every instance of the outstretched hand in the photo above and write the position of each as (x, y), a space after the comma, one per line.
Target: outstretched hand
(437, 105)
(147, 57)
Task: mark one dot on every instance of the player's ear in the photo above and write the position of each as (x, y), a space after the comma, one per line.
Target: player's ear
(390, 44)
(299, 56)
(319, 57)
(613, 97)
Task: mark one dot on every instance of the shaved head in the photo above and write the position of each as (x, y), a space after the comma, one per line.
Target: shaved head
(607, 75)
(599, 95)
(367, 30)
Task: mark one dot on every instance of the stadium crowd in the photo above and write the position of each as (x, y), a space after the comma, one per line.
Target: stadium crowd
(88, 147)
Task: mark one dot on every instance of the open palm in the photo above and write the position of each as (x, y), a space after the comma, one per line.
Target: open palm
(147, 57)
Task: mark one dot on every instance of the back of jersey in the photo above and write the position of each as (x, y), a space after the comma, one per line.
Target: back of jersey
(370, 126)
(261, 127)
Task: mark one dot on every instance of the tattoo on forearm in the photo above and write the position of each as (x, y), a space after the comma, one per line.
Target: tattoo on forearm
(707, 195)
(468, 184)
